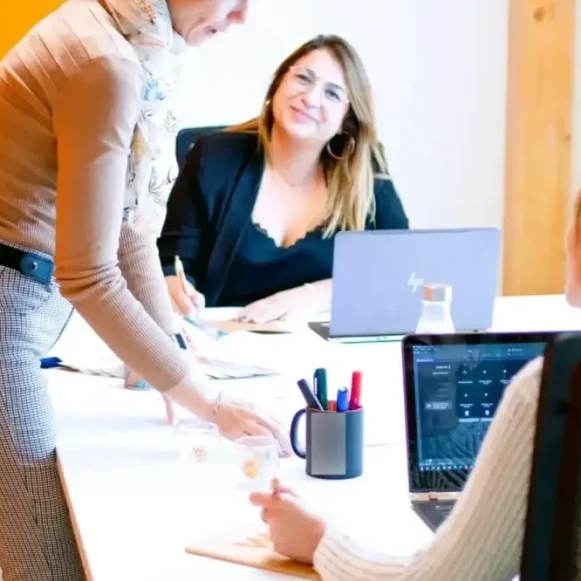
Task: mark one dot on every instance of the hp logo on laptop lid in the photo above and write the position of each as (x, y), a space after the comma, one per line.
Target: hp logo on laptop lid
(415, 282)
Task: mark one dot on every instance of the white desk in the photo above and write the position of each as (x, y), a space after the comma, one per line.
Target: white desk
(118, 468)
(120, 472)
(296, 355)
(535, 313)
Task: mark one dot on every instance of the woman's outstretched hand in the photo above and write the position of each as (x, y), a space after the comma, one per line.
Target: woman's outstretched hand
(235, 419)
(296, 305)
(238, 419)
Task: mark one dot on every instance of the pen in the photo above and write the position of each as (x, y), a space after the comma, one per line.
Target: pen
(275, 487)
(343, 399)
(191, 319)
(310, 398)
(355, 400)
(320, 379)
(180, 273)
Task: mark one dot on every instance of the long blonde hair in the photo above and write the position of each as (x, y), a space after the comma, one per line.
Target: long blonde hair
(350, 180)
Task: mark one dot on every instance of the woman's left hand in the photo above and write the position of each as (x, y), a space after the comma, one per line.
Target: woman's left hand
(134, 381)
(293, 529)
(297, 304)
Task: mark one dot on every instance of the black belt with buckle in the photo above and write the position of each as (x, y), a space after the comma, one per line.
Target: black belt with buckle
(28, 263)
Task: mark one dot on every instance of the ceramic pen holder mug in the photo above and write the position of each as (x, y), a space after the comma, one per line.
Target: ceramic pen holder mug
(334, 443)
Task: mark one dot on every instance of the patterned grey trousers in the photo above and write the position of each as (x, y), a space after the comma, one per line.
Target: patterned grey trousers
(36, 536)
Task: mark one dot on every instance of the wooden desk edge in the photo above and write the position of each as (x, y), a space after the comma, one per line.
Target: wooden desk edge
(76, 529)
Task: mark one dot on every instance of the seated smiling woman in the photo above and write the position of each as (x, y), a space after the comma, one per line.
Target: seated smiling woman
(255, 210)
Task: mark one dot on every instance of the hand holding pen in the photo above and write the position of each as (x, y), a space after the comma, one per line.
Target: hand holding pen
(186, 300)
(294, 529)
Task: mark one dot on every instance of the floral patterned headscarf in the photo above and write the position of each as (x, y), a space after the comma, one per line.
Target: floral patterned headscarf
(152, 170)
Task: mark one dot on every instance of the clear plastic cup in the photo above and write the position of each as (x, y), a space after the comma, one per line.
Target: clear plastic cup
(200, 481)
(258, 462)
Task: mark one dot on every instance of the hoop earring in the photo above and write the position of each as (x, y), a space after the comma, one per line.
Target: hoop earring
(265, 111)
(347, 151)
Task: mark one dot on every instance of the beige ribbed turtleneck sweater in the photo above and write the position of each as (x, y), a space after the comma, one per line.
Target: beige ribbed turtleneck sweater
(70, 95)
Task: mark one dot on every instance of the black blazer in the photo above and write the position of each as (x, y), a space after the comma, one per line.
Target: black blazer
(212, 202)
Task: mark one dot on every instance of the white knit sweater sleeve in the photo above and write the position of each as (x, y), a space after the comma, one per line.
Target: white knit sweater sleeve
(482, 538)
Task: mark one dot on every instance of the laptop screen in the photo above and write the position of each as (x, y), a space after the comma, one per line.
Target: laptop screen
(454, 385)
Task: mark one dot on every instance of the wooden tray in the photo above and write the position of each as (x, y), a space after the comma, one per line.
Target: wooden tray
(252, 549)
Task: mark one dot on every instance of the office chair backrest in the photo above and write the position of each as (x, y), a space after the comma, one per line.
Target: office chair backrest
(552, 523)
(186, 139)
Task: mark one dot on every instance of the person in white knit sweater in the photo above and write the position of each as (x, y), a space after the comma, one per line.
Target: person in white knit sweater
(483, 537)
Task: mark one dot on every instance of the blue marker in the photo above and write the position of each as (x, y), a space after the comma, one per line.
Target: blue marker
(342, 399)
(50, 362)
(310, 398)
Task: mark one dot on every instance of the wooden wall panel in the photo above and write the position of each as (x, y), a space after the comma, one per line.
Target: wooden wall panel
(539, 101)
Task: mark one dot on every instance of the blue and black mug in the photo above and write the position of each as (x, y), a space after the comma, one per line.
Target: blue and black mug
(334, 443)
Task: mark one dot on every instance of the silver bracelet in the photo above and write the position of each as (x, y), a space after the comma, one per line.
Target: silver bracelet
(216, 407)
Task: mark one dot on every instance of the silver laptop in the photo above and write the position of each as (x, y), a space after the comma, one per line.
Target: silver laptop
(378, 277)
(453, 385)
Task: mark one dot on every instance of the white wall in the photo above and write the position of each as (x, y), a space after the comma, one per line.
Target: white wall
(439, 74)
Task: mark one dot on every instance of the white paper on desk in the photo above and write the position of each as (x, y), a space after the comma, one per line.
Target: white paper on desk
(223, 369)
(212, 367)
(222, 358)
(231, 359)
(246, 349)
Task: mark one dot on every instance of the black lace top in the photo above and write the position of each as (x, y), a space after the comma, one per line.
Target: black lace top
(261, 268)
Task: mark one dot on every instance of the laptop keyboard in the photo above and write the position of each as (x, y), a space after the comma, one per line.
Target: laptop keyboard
(434, 513)
(444, 508)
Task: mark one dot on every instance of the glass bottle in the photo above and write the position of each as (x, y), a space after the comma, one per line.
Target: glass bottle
(436, 315)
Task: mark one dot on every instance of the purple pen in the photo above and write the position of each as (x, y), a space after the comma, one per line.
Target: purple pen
(308, 395)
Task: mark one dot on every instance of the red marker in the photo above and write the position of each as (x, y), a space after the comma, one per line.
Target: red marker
(355, 400)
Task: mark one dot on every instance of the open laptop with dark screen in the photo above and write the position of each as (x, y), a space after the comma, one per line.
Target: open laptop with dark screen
(453, 385)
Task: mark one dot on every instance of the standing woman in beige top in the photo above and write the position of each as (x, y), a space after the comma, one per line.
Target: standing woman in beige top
(87, 141)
